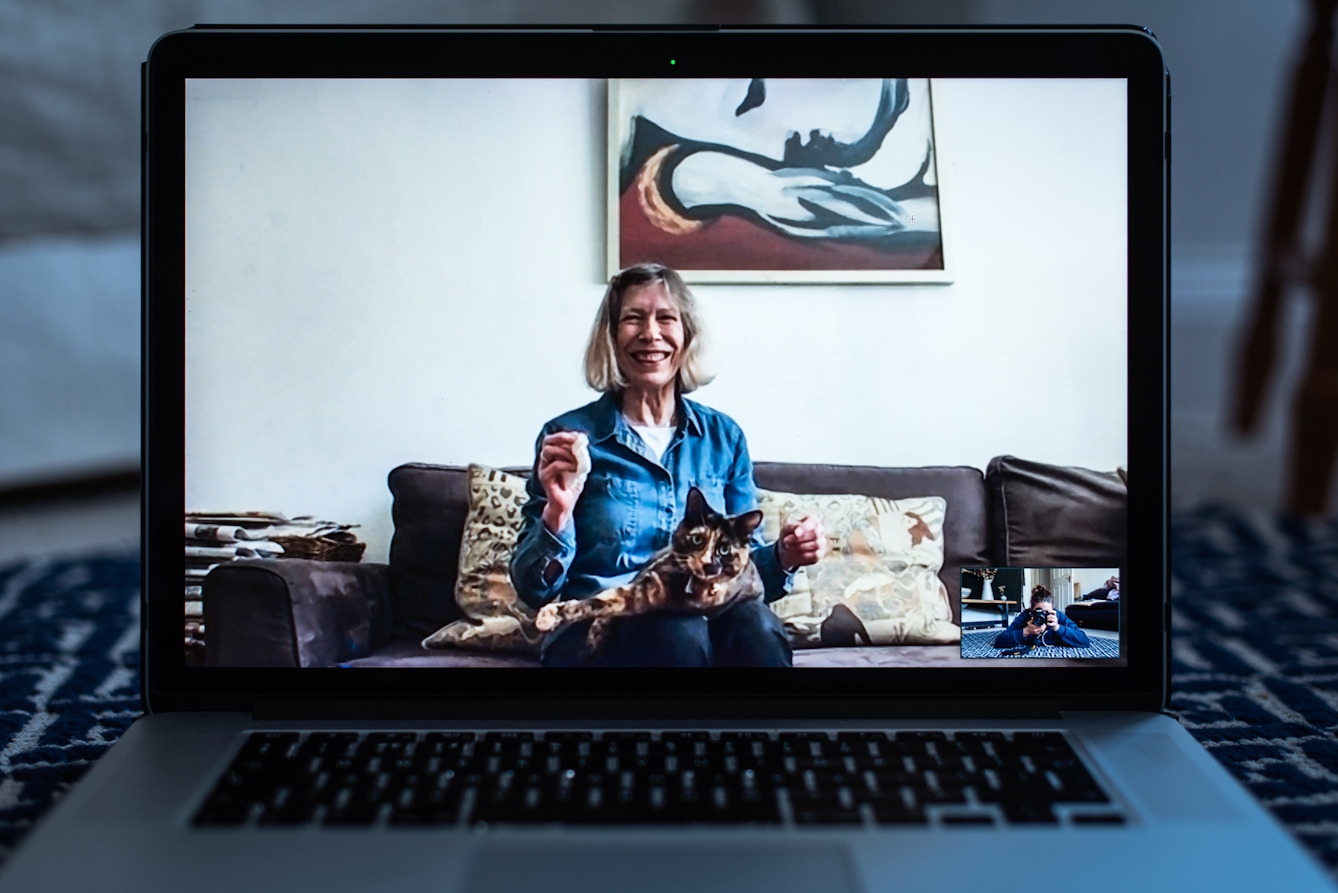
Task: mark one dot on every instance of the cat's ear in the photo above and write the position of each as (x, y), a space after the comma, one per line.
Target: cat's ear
(745, 524)
(697, 507)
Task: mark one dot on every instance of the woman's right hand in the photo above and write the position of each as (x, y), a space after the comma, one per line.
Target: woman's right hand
(557, 475)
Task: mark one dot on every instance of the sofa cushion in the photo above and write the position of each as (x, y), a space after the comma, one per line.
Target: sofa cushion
(495, 617)
(878, 583)
(1055, 516)
(965, 524)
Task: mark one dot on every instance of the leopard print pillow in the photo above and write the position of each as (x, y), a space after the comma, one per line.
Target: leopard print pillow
(495, 617)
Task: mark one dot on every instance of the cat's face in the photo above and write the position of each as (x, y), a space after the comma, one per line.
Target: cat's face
(716, 547)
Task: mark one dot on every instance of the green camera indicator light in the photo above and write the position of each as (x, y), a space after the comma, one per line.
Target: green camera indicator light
(673, 61)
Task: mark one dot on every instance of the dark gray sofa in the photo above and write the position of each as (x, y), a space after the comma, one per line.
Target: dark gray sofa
(298, 613)
(1095, 614)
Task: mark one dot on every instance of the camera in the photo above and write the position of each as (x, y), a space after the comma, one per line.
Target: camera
(1037, 616)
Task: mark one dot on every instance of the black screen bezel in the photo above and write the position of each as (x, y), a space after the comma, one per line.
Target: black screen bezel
(1121, 52)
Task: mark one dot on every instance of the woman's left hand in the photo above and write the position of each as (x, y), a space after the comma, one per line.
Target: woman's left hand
(802, 542)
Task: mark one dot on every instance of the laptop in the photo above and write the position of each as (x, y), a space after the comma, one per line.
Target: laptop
(604, 468)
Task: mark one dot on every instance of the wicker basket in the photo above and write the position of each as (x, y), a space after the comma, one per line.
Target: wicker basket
(334, 547)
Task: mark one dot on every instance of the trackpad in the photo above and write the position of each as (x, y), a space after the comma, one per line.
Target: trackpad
(618, 864)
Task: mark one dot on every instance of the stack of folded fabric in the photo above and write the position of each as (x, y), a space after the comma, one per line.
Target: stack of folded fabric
(213, 538)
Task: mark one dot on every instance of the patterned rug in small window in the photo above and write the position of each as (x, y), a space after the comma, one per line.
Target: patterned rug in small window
(981, 644)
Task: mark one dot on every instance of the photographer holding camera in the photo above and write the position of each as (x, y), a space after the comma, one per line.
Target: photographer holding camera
(1042, 625)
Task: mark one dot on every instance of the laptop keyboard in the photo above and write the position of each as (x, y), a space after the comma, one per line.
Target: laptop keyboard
(400, 779)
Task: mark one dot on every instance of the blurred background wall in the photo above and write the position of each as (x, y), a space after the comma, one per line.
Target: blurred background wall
(69, 198)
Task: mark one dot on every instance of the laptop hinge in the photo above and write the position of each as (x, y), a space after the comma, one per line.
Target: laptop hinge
(647, 710)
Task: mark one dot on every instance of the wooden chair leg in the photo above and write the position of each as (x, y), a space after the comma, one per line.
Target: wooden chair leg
(1314, 446)
(1257, 362)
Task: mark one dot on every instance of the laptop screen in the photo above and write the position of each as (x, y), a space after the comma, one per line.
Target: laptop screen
(671, 372)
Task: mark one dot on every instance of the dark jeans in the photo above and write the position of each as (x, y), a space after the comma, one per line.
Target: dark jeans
(747, 635)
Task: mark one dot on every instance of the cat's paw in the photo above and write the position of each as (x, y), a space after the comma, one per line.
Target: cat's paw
(547, 618)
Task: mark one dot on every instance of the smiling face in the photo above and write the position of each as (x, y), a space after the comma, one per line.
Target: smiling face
(649, 338)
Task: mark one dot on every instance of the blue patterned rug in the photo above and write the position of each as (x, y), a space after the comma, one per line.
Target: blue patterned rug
(69, 677)
(981, 644)
(1255, 659)
(1255, 666)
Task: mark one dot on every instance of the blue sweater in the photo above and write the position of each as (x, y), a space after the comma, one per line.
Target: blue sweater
(1069, 634)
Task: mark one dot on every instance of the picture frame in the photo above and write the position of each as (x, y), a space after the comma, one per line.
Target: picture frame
(695, 184)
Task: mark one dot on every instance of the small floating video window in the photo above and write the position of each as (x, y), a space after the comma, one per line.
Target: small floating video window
(1040, 612)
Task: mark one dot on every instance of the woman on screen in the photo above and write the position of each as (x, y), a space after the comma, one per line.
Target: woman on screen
(590, 529)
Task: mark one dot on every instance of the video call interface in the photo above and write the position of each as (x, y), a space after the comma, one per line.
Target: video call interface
(655, 373)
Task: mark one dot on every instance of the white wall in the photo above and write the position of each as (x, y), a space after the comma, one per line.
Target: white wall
(387, 271)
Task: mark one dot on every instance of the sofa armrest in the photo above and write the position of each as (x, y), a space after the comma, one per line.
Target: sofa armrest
(292, 612)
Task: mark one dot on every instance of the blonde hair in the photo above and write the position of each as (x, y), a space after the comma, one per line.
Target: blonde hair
(601, 352)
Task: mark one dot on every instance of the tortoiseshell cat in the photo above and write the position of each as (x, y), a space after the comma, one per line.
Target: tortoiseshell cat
(705, 570)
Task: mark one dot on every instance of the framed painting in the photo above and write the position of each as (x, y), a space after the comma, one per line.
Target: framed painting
(776, 180)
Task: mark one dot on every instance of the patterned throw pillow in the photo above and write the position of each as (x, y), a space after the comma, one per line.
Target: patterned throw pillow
(878, 584)
(495, 617)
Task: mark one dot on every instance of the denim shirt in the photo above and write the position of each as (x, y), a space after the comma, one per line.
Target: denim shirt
(632, 503)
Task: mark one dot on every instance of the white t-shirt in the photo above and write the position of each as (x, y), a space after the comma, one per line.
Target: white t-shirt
(655, 437)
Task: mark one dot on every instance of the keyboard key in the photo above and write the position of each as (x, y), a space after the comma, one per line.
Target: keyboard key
(512, 738)
(1097, 818)
(921, 736)
(268, 745)
(973, 819)
(861, 736)
(1028, 812)
(1040, 738)
(897, 813)
(685, 736)
(450, 737)
(565, 738)
(327, 744)
(827, 816)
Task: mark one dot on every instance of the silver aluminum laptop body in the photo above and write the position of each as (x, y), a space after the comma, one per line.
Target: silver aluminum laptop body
(220, 102)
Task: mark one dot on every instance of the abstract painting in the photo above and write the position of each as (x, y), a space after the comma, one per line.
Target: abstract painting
(776, 180)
